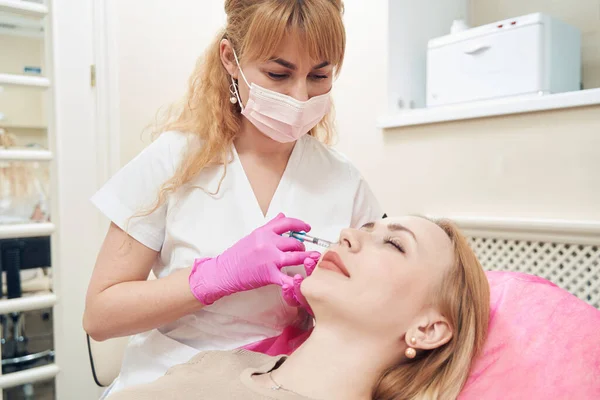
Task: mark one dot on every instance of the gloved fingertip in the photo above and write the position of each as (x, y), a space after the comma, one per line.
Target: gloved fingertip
(298, 277)
(285, 287)
(315, 255)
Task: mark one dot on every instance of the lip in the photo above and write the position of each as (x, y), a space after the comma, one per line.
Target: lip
(332, 261)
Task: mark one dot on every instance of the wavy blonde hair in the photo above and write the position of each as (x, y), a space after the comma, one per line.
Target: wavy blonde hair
(464, 300)
(255, 29)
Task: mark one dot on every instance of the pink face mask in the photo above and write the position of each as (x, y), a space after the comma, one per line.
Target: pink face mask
(281, 117)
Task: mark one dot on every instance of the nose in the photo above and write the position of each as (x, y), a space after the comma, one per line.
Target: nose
(350, 239)
(300, 90)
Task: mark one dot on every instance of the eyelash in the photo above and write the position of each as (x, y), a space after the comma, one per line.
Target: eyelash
(395, 244)
(279, 77)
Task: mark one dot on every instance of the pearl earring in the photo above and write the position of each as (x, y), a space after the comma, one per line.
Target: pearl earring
(410, 352)
(233, 99)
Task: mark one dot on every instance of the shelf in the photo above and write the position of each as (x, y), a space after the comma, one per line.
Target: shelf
(25, 155)
(22, 126)
(31, 375)
(490, 108)
(24, 80)
(10, 231)
(21, 7)
(29, 303)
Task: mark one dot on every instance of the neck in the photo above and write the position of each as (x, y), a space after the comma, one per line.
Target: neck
(331, 365)
(252, 141)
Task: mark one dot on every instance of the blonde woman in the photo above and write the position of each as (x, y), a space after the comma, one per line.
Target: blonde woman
(203, 206)
(402, 309)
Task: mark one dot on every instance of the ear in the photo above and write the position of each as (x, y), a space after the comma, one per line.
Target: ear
(227, 58)
(429, 332)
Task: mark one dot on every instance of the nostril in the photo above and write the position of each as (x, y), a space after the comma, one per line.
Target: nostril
(346, 242)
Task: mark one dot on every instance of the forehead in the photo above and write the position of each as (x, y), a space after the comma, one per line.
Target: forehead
(429, 236)
(293, 48)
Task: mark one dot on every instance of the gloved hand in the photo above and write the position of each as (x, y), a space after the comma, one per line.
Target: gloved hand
(292, 294)
(255, 261)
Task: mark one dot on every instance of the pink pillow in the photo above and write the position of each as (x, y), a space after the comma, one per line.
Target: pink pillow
(543, 343)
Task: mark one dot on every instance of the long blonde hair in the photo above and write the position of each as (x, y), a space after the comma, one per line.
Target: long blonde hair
(255, 29)
(464, 300)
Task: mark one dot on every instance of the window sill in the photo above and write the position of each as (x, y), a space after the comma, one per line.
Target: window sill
(490, 108)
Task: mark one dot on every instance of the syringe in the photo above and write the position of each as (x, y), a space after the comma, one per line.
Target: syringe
(303, 237)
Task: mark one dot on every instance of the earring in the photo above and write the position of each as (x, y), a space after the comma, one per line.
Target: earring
(233, 99)
(410, 352)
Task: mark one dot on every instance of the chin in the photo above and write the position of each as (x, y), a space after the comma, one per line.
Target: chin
(316, 286)
(324, 288)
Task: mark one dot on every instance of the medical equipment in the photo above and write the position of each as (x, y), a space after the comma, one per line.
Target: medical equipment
(303, 237)
(529, 55)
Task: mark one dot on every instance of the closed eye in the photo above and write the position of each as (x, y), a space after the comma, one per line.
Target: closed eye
(319, 77)
(277, 77)
(396, 244)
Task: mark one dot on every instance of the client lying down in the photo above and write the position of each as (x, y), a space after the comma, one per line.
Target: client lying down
(401, 309)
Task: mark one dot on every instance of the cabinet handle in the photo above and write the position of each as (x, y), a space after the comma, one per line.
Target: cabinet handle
(477, 49)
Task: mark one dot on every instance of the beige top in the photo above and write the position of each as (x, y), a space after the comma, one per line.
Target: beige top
(213, 375)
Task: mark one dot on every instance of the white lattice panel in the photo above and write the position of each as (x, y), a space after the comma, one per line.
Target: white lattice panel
(573, 267)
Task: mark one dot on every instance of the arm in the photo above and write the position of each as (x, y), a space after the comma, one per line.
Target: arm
(121, 301)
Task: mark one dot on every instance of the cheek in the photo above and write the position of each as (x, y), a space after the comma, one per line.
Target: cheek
(319, 88)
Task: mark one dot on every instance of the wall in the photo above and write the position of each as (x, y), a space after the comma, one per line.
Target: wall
(584, 14)
(534, 165)
(540, 165)
(158, 47)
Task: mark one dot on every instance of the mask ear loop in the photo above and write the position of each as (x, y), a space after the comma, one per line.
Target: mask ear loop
(239, 67)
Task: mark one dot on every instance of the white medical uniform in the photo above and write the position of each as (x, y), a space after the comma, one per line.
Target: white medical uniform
(319, 186)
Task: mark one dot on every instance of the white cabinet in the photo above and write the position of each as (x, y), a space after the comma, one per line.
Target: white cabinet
(529, 55)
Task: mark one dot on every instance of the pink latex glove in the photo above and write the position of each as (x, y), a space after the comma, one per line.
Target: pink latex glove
(292, 294)
(253, 262)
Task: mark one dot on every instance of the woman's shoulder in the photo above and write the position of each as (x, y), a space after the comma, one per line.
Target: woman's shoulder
(169, 148)
(175, 140)
(325, 157)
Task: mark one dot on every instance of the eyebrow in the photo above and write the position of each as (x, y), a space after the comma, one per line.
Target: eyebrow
(293, 66)
(391, 227)
(398, 227)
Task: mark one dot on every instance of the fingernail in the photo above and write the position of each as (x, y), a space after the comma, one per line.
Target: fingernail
(298, 277)
(315, 255)
(285, 287)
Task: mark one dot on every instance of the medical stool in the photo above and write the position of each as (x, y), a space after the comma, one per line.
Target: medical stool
(16, 256)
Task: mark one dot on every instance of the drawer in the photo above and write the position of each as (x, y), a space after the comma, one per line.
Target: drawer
(499, 64)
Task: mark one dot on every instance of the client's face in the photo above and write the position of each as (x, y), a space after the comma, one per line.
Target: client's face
(380, 278)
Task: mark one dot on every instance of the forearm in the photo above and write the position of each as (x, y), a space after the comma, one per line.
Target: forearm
(132, 307)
